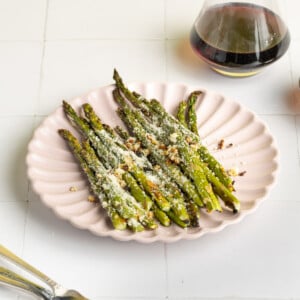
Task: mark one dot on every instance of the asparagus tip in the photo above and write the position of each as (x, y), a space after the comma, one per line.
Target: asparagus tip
(116, 74)
(64, 133)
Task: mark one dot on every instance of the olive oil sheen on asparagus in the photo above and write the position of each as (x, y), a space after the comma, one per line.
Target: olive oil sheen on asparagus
(239, 38)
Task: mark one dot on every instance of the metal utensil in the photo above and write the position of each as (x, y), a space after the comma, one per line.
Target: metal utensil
(56, 291)
(11, 279)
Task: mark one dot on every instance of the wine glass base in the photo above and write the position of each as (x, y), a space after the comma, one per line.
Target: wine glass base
(234, 74)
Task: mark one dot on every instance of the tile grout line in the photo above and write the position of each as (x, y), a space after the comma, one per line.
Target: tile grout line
(297, 139)
(28, 182)
(166, 77)
(291, 78)
(165, 41)
(46, 115)
(34, 118)
(120, 38)
(24, 229)
(166, 270)
(295, 115)
(232, 298)
(21, 41)
(37, 106)
(277, 114)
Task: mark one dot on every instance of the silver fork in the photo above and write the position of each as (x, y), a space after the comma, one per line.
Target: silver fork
(56, 291)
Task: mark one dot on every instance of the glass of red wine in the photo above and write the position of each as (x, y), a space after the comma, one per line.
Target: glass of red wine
(239, 38)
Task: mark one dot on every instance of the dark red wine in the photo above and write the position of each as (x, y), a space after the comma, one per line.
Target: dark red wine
(239, 37)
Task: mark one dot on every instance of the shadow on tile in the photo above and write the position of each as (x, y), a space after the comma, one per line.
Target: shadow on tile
(186, 55)
(17, 172)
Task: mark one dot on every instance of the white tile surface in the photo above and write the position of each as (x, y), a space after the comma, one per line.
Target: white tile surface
(292, 19)
(146, 40)
(7, 293)
(22, 20)
(73, 68)
(295, 62)
(19, 76)
(92, 264)
(14, 137)
(243, 261)
(283, 130)
(298, 135)
(91, 19)
(12, 222)
(180, 17)
(271, 86)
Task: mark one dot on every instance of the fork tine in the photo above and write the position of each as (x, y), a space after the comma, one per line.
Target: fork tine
(57, 291)
(11, 279)
(7, 254)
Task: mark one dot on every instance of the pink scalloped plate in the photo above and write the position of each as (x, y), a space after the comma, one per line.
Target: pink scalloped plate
(248, 146)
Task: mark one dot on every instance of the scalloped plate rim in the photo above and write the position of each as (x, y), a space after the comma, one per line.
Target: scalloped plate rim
(170, 239)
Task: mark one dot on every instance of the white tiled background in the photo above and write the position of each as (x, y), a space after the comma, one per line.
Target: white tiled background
(54, 49)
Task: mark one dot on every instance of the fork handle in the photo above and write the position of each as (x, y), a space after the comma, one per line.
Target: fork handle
(22, 286)
(7, 254)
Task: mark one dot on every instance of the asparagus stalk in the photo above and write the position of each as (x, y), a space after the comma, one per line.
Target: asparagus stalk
(111, 143)
(164, 118)
(181, 113)
(161, 216)
(113, 158)
(218, 184)
(108, 158)
(136, 191)
(173, 191)
(117, 221)
(219, 187)
(165, 189)
(192, 165)
(175, 219)
(124, 135)
(124, 200)
(161, 116)
(229, 199)
(191, 110)
(191, 160)
(172, 170)
(194, 213)
(150, 142)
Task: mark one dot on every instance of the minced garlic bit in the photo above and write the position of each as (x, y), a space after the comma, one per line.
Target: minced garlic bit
(172, 153)
(122, 183)
(233, 172)
(189, 139)
(128, 160)
(73, 189)
(145, 151)
(131, 140)
(133, 144)
(92, 198)
(104, 204)
(157, 167)
(162, 147)
(152, 139)
(173, 137)
(136, 146)
(119, 172)
(194, 146)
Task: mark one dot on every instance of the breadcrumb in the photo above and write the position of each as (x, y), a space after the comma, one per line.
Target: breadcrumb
(221, 144)
(92, 198)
